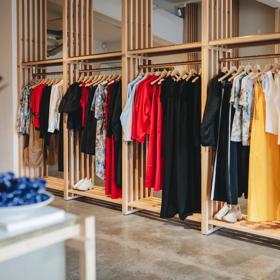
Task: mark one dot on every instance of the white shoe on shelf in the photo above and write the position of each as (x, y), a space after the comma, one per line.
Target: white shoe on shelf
(76, 186)
(222, 212)
(233, 215)
(86, 185)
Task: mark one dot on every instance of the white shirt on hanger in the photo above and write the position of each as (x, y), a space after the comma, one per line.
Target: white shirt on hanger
(277, 104)
(270, 91)
(126, 116)
(55, 98)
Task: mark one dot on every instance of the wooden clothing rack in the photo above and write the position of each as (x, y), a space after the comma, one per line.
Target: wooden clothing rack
(250, 57)
(219, 44)
(100, 69)
(47, 73)
(171, 64)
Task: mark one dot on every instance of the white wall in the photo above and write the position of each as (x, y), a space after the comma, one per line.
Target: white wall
(8, 96)
(255, 18)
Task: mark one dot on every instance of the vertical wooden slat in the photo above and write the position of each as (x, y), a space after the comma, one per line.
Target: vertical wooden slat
(91, 27)
(77, 28)
(66, 157)
(19, 85)
(150, 29)
(230, 18)
(87, 23)
(82, 27)
(28, 31)
(45, 29)
(141, 24)
(126, 157)
(277, 29)
(205, 76)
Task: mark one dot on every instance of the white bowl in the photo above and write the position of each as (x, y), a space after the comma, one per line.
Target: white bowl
(25, 209)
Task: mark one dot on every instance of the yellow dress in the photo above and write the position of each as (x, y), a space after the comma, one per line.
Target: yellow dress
(264, 167)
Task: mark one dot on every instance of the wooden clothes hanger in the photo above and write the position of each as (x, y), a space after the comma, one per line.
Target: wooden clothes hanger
(161, 76)
(191, 74)
(197, 77)
(81, 78)
(232, 70)
(267, 68)
(91, 80)
(239, 71)
(175, 74)
(183, 73)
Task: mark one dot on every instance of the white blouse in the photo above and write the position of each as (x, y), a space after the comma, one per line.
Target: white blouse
(55, 98)
(271, 93)
(277, 104)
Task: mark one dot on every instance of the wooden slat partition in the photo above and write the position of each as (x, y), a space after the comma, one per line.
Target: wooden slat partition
(31, 36)
(217, 23)
(191, 30)
(137, 33)
(79, 39)
(277, 29)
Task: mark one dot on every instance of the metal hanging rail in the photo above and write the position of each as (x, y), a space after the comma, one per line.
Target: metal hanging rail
(100, 69)
(48, 73)
(250, 57)
(165, 65)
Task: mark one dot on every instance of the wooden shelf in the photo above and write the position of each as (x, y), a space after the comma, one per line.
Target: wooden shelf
(97, 57)
(97, 193)
(248, 41)
(59, 61)
(167, 50)
(153, 204)
(266, 229)
(47, 62)
(54, 183)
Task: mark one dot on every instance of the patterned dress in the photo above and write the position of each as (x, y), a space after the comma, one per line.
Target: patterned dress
(97, 106)
(23, 113)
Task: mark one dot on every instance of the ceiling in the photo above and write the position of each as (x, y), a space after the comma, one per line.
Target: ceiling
(272, 3)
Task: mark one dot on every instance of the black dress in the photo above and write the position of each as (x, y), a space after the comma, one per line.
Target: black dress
(117, 133)
(209, 125)
(44, 111)
(71, 105)
(114, 128)
(89, 132)
(222, 178)
(182, 171)
(230, 169)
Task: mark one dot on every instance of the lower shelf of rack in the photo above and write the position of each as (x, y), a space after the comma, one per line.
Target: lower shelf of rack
(153, 204)
(54, 183)
(96, 193)
(264, 229)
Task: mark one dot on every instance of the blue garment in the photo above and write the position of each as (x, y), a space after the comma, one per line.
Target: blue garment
(126, 116)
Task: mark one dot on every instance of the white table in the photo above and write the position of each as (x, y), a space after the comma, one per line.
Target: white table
(76, 232)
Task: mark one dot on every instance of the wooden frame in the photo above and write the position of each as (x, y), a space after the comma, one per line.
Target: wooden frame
(79, 236)
(136, 53)
(214, 46)
(219, 41)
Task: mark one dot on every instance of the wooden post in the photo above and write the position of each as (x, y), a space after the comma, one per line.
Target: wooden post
(65, 84)
(204, 153)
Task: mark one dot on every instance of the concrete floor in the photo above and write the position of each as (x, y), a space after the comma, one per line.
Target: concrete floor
(139, 247)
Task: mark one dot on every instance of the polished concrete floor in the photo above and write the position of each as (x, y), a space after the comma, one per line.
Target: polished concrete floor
(140, 247)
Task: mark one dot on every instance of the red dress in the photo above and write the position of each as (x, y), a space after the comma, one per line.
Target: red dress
(84, 102)
(142, 110)
(35, 101)
(154, 166)
(111, 188)
(147, 120)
